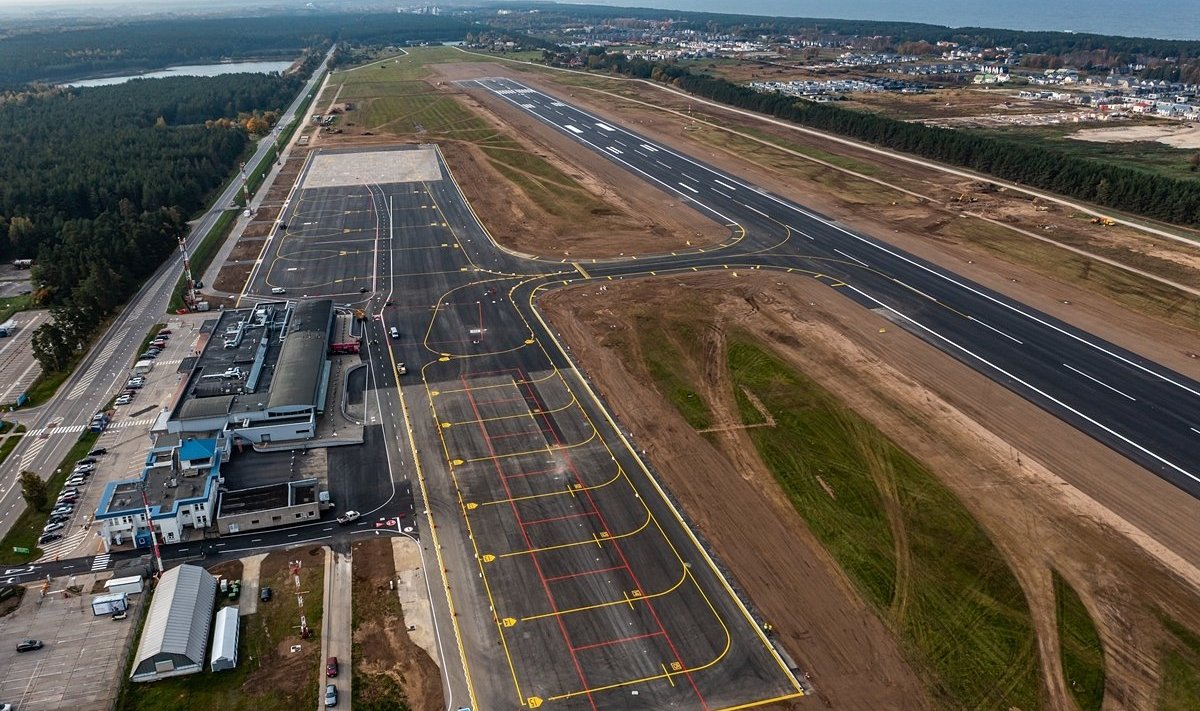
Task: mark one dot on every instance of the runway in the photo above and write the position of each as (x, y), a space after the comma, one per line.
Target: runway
(1144, 411)
(573, 582)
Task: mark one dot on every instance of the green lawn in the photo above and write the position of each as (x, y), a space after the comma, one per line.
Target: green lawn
(1081, 649)
(246, 687)
(904, 541)
(1180, 660)
(392, 98)
(10, 305)
(9, 444)
(1151, 156)
(662, 354)
(28, 526)
(203, 255)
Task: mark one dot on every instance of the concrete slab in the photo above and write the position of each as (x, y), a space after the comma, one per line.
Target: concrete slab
(414, 595)
(332, 170)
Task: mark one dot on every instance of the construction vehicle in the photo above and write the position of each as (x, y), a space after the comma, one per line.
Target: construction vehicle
(1106, 221)
(360, 315)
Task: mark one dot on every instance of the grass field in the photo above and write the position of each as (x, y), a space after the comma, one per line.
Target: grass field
(203, 255)
(1180, 690)
(392, 98)
(28, 526)
(9, 444)
(662, 352)
(1081, 649)
(241, 688)
(1151, 156)
(903, 539)
(10, 305)
(1130, 290)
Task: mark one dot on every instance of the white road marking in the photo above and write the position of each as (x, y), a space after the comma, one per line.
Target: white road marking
(1099, 382)
(1044, 394)
(853, 259)
(724, 185)
(663, 164)
(685, 186)
(605, 127)
(572, 129)
(685, 176)
(718, 192)
(755, 209)
(1002, 333)
(1193, 429)
(650, 148)
(614, 151)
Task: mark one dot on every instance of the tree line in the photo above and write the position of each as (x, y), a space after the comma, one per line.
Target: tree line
(98, 183)
(1117, 186)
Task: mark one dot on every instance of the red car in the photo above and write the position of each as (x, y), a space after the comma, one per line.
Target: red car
(331, 667)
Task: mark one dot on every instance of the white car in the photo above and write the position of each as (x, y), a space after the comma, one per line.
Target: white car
(348, 517)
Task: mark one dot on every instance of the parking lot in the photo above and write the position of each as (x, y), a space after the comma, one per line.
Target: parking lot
(81, 663)
(125, 439)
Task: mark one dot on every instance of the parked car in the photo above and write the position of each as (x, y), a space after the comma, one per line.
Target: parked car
(331, 667)
(395, 332)
(265, 594)
(86, 460)
(85, 468)
(278, 290)
(77, 480)
(64, 510)
(330, 695)
(66, 499)
(29, 645)
(48, 537)
(120, 615)
(123, 400)
(98, 452)
(165, 332)
(68, 490)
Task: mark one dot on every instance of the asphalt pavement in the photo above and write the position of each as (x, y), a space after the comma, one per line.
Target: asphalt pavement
(1146, 412)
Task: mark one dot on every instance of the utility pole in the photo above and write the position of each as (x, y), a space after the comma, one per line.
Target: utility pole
(189, 285)
(158, 564)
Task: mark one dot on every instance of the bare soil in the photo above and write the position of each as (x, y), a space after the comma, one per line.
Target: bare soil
(380, 637)
(1125, 540)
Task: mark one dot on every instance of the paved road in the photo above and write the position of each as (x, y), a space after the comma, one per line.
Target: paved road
(1144, 411)
(100, 373)
(336, 627)
(571, 580)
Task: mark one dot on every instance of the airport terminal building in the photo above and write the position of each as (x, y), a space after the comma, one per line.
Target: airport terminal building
(260, 378)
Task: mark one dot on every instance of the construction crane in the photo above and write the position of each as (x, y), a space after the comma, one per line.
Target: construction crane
(189, 285)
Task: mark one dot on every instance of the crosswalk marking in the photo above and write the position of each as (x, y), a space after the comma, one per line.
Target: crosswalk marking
(76, 429)
(64, 545)
(101, 562)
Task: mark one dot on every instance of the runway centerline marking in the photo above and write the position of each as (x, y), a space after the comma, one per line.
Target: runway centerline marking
(1099, 382)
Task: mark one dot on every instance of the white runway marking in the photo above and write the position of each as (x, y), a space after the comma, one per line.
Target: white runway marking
(724, 185)
(573, 129)
(685, 186)
(993, 328)
(605, 127)
(1099, 382)
(853, 259)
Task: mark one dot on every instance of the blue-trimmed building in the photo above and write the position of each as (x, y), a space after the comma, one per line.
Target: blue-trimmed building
(180, 480)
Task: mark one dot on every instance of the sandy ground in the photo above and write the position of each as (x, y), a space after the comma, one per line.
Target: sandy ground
(380, 635)
(1177, 135)
(1026, 475)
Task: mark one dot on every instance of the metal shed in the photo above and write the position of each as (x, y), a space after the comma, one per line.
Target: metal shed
(225, 640)
(177, 625)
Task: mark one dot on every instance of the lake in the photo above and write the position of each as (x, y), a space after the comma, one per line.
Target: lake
(190, 70)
